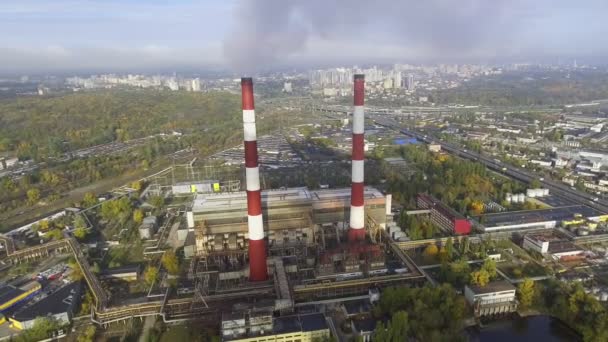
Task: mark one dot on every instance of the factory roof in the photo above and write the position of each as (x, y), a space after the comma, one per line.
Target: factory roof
(238, 200)
(541, 215)
(308, 322)
(209, 202)
(495, 286)
(123, 269)
(8, 292)
(356, 307)
(557, 247)
(63, 300)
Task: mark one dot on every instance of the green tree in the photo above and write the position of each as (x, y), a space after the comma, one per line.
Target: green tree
(42, 329)
(137, 185)
(80, 233)
(33, 196)
(95, 268)
(150, 275)
(55, 234)
(431, 251)
(76, 274)
(535, 183)
(525, 293)
(489, 266)
(449, 248)
(480, 278)
(89, 200)
(138, 216)
(156, 201)
(170, 262)
(88, 335)
(397, 328)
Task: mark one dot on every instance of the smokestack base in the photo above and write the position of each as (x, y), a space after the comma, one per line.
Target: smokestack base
(258, 270)
(355, 235)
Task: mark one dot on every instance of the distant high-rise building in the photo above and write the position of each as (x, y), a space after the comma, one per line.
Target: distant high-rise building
(575, 65)
(410, 82)
(397, 80)
(196, 85)
(287, 87)
(172, 84)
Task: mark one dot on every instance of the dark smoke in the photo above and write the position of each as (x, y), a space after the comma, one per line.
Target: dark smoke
(269, 31)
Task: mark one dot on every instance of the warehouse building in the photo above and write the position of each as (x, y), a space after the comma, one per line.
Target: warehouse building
(539, 219)
(60, 306)
(549, 244)
(443, 216)
(10, 295)
(259, 327)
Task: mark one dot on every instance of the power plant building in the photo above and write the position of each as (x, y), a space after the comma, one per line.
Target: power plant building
(291, 216)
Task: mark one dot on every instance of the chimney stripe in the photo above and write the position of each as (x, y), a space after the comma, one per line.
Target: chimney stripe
(258, 270)
(357, 210)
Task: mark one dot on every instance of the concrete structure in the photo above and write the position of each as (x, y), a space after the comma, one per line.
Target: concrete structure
(125, 273)
(443, 216)
(187, 188)
(295, 216)
(148, 227)
(357, 211)
(261, 326)
(539, 219)
(60, 305)
(549, 244)
(434, 147)
(497, 297)
(257, 246)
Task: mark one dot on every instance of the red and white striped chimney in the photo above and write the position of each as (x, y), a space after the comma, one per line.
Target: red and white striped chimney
(357, 215)
(257, 247)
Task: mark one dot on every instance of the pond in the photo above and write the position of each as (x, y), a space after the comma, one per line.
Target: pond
(521, 329)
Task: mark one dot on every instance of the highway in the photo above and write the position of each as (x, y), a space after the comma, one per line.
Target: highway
(517, 173)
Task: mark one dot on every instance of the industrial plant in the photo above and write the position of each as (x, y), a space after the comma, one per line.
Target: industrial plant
(308, 245)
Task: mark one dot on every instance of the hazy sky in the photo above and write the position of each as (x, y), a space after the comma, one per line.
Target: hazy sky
(41, 35)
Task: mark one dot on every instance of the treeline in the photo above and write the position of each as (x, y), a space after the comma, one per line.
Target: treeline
(48, 127)
(580, 310)
(528, 88)
(461, 184)
(49, 184)
(423, 314)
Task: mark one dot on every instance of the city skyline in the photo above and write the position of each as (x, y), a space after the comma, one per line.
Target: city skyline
(248, 35)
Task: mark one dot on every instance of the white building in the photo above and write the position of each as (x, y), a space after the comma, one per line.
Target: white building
(435, 148)
(495, 298)
(287, 87)
(548, 244)
(195, 85)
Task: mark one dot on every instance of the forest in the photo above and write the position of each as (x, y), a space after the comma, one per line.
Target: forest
(40, 128)
(461, 184)
(45, 129)
(528, 88)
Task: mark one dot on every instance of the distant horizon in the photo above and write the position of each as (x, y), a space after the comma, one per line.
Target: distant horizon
(246, 36)
(216, 71)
